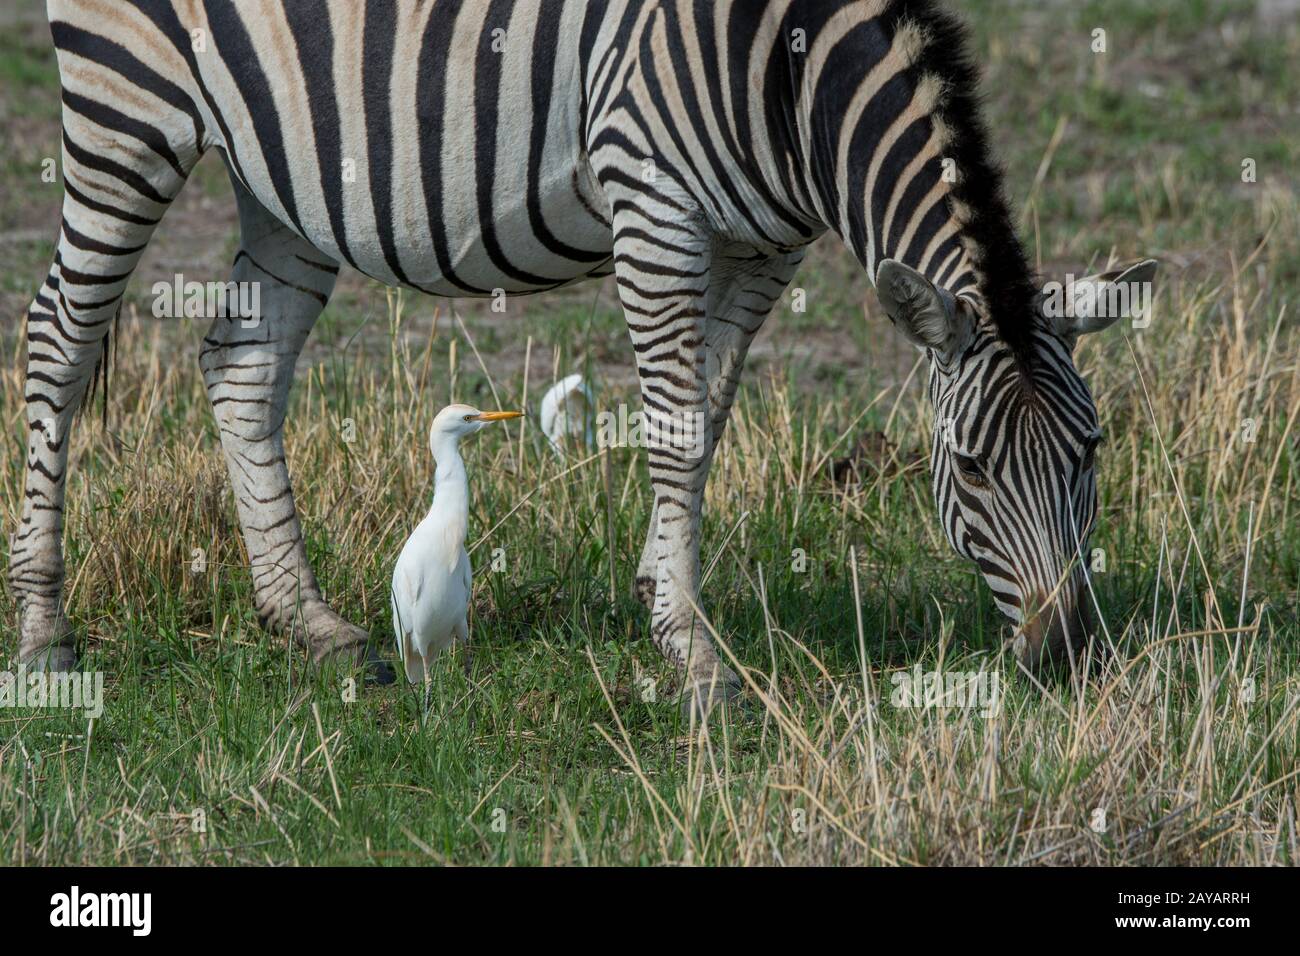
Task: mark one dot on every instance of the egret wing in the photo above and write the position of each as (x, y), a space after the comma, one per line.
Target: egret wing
(405, 594)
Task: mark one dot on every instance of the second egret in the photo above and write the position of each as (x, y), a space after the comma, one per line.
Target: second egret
(566, 414)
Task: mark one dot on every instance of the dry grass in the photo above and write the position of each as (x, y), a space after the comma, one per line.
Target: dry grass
(1185, 744)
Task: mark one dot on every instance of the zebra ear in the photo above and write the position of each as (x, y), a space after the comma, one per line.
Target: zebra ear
(1098, 302)
(928, 316)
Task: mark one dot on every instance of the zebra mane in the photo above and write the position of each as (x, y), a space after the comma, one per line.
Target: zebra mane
(1007, 283)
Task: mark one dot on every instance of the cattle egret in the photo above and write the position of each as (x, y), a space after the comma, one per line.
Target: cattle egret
(432, 580)
(567, 411)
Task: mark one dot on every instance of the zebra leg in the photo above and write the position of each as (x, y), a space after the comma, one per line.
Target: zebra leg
(120, 175)
(66, 329)
(664, 288)
(742, 294)
(248, 369)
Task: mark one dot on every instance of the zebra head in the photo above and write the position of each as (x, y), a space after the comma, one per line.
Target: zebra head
(1013, 446)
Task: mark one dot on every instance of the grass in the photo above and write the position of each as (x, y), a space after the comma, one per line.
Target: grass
(564, 743)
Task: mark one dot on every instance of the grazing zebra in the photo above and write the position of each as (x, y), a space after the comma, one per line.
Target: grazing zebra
(692, 149)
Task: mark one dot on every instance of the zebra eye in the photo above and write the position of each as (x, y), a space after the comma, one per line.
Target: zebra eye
(972, 470)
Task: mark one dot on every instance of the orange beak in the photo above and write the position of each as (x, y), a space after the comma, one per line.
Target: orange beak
(499, 416)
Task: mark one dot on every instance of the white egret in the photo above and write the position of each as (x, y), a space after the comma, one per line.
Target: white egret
(567, 412)
(432, 579)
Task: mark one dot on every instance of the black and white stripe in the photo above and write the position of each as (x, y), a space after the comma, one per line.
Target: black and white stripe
(471, 147)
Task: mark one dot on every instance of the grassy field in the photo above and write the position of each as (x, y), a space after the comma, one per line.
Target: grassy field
(564, 743)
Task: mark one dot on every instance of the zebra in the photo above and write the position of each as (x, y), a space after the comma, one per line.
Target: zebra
(691, 149)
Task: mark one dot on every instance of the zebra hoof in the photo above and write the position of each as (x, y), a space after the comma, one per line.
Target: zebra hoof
(378, 672)
(54, 659)
(701, 695)
(358, 660)
(48, 640)
(338, 645)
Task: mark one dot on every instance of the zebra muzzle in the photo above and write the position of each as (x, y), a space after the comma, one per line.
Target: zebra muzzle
(1058, 637)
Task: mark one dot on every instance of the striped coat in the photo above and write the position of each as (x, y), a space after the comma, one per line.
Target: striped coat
(691, 148)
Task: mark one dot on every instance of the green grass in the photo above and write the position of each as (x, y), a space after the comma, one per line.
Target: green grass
(550, 750)
(552, 734)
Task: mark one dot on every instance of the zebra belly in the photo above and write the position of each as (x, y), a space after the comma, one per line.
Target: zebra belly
(512, 250)
(432, 145)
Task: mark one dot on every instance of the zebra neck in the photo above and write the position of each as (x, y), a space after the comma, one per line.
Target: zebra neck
(895, 192)
(896, 158)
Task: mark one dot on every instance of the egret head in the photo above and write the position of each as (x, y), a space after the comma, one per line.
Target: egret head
(1012, 463)
(457, 421)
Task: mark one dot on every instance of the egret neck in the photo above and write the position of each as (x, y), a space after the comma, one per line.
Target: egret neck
(449, 513)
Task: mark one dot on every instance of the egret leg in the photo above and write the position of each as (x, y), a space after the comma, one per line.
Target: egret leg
(428, 685)
(462, 638)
